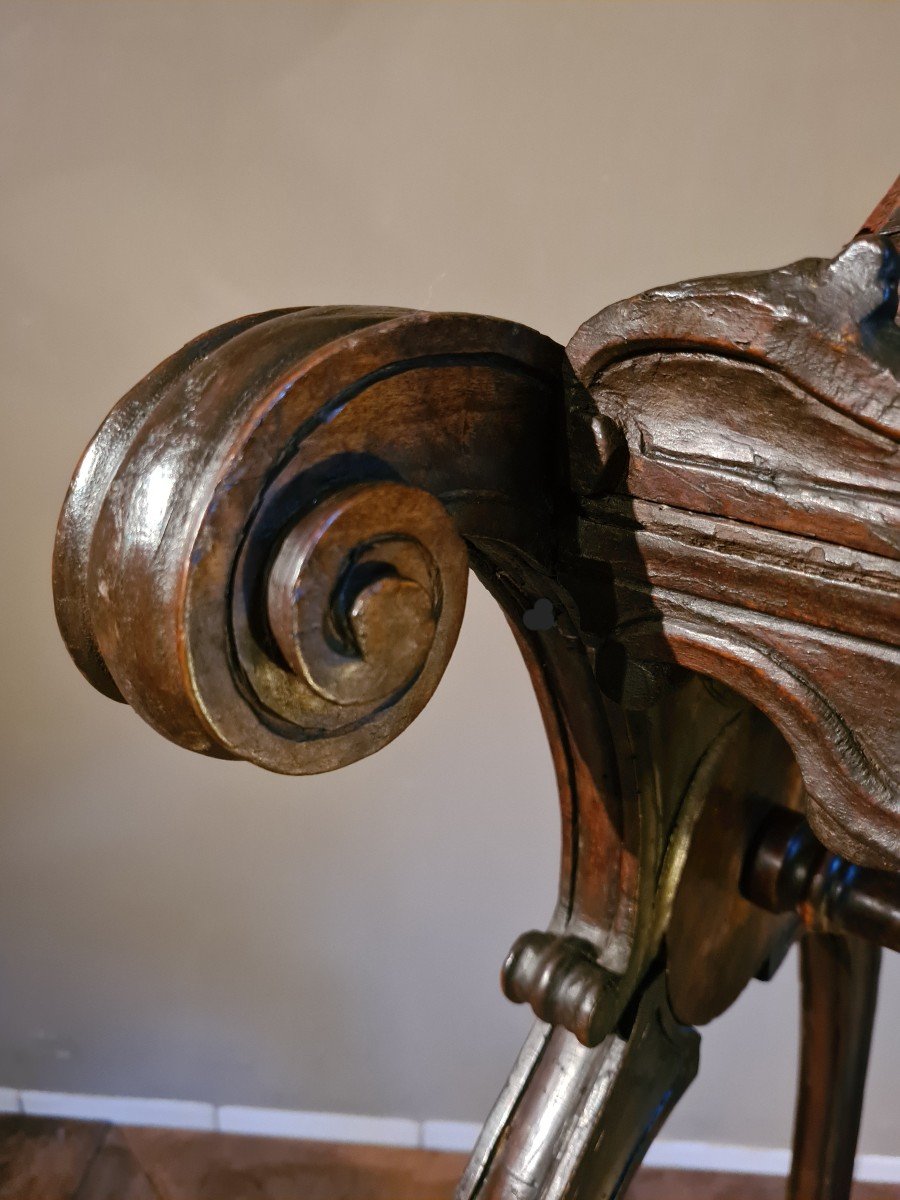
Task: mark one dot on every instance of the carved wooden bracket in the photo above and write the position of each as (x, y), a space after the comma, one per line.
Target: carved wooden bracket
(763, 410)
(689, 518)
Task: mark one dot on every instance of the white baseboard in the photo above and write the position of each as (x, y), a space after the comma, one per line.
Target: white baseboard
(684, 1155)
(319, 1126)
(718, 1156)
(391, 1131)
(450, 1135)
(756, 1160)
(121, 1110)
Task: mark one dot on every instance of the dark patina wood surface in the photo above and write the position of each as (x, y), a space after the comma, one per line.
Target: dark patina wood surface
(690, 519)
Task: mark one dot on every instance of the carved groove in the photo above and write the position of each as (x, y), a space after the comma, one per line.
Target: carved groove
(272, 565)
(265, 552)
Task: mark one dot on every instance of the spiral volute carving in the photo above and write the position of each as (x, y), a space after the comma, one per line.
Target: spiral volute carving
(356, 593)
(264, 548)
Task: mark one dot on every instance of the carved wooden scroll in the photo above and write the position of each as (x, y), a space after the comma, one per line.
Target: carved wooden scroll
(262, 549)
(690, 520)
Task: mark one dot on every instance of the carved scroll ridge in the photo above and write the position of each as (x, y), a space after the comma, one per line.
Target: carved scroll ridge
(756, 318)
(244, 457)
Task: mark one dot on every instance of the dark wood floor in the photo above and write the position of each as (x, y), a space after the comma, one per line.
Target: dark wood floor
(49, 1159)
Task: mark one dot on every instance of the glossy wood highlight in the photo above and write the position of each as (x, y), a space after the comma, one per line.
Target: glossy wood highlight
(691, 520)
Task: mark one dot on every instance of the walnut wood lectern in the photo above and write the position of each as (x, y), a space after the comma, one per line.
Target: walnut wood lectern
(689, 518)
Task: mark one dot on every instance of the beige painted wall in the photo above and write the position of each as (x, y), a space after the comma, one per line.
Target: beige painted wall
(186, 928)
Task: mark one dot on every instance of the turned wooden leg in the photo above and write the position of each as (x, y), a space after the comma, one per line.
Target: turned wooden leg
(839, 988)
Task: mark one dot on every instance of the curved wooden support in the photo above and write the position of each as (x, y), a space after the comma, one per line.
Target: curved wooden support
(733, 447)
(691, 526)
(575, 1122)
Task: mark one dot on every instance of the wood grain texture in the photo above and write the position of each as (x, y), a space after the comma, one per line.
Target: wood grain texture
(71, 1160)
(190, 1166)
(46, 1159)
(116, 1173)
(691, 519)
(749, 428)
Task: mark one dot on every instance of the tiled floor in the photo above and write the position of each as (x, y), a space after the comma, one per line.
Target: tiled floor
(50, 1159)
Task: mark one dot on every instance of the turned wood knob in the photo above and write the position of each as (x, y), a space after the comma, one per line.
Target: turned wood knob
(789, 870)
